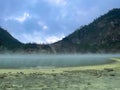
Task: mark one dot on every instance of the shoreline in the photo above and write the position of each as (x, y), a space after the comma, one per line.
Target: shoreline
(113, 64)
(100, 77)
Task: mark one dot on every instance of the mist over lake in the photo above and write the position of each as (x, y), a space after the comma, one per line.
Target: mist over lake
(42, 60)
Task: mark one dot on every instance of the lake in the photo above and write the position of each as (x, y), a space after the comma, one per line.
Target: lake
(48, 61)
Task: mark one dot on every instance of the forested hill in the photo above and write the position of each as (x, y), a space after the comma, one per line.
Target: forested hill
(7, 41)
(9, 44)
(102, 35)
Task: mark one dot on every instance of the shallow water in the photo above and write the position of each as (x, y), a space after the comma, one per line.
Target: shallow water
(43, 61)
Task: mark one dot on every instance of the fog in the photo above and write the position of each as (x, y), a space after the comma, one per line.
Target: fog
(49, 61)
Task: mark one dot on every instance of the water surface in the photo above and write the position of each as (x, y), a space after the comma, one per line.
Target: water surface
(42, 61)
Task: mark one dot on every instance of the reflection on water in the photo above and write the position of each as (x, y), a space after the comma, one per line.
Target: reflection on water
(38, 60)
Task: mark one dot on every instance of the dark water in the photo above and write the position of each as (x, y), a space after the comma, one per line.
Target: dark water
(42, 61)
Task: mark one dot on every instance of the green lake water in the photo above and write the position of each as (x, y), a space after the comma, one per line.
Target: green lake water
(47, 61)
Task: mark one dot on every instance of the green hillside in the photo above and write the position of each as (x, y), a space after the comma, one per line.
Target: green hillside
(8, 42)
(102, 35)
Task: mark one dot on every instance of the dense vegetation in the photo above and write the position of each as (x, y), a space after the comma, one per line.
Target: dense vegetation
(102, 35)
(7, 42)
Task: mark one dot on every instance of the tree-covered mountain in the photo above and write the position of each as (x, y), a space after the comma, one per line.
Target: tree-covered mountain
(102, 35)
(8, 42)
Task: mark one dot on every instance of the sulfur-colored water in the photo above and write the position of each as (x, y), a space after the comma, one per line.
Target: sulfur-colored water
(42, 61)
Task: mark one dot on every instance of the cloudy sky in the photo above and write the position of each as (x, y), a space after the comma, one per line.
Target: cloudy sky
(47, 21)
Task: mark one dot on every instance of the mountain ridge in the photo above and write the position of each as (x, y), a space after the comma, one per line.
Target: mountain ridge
(95, 36)
(7, 41)
(100, 36)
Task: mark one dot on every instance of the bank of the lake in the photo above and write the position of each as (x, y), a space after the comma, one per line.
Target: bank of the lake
(100, 77)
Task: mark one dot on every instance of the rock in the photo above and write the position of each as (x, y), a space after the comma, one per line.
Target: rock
(112, 74)
(108, 69)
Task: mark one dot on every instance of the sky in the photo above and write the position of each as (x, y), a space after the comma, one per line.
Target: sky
(47, 21)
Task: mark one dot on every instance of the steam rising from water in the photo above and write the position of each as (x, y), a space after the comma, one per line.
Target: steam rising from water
(42, 60)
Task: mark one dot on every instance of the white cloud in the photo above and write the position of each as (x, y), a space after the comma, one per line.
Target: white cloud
(20, 19)
(82, 15)
(57, 2)
(42, 25)
(45, 27)
(30, 37)
(23, 17)
(52, 39)
(38, 37)
(32, 2)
